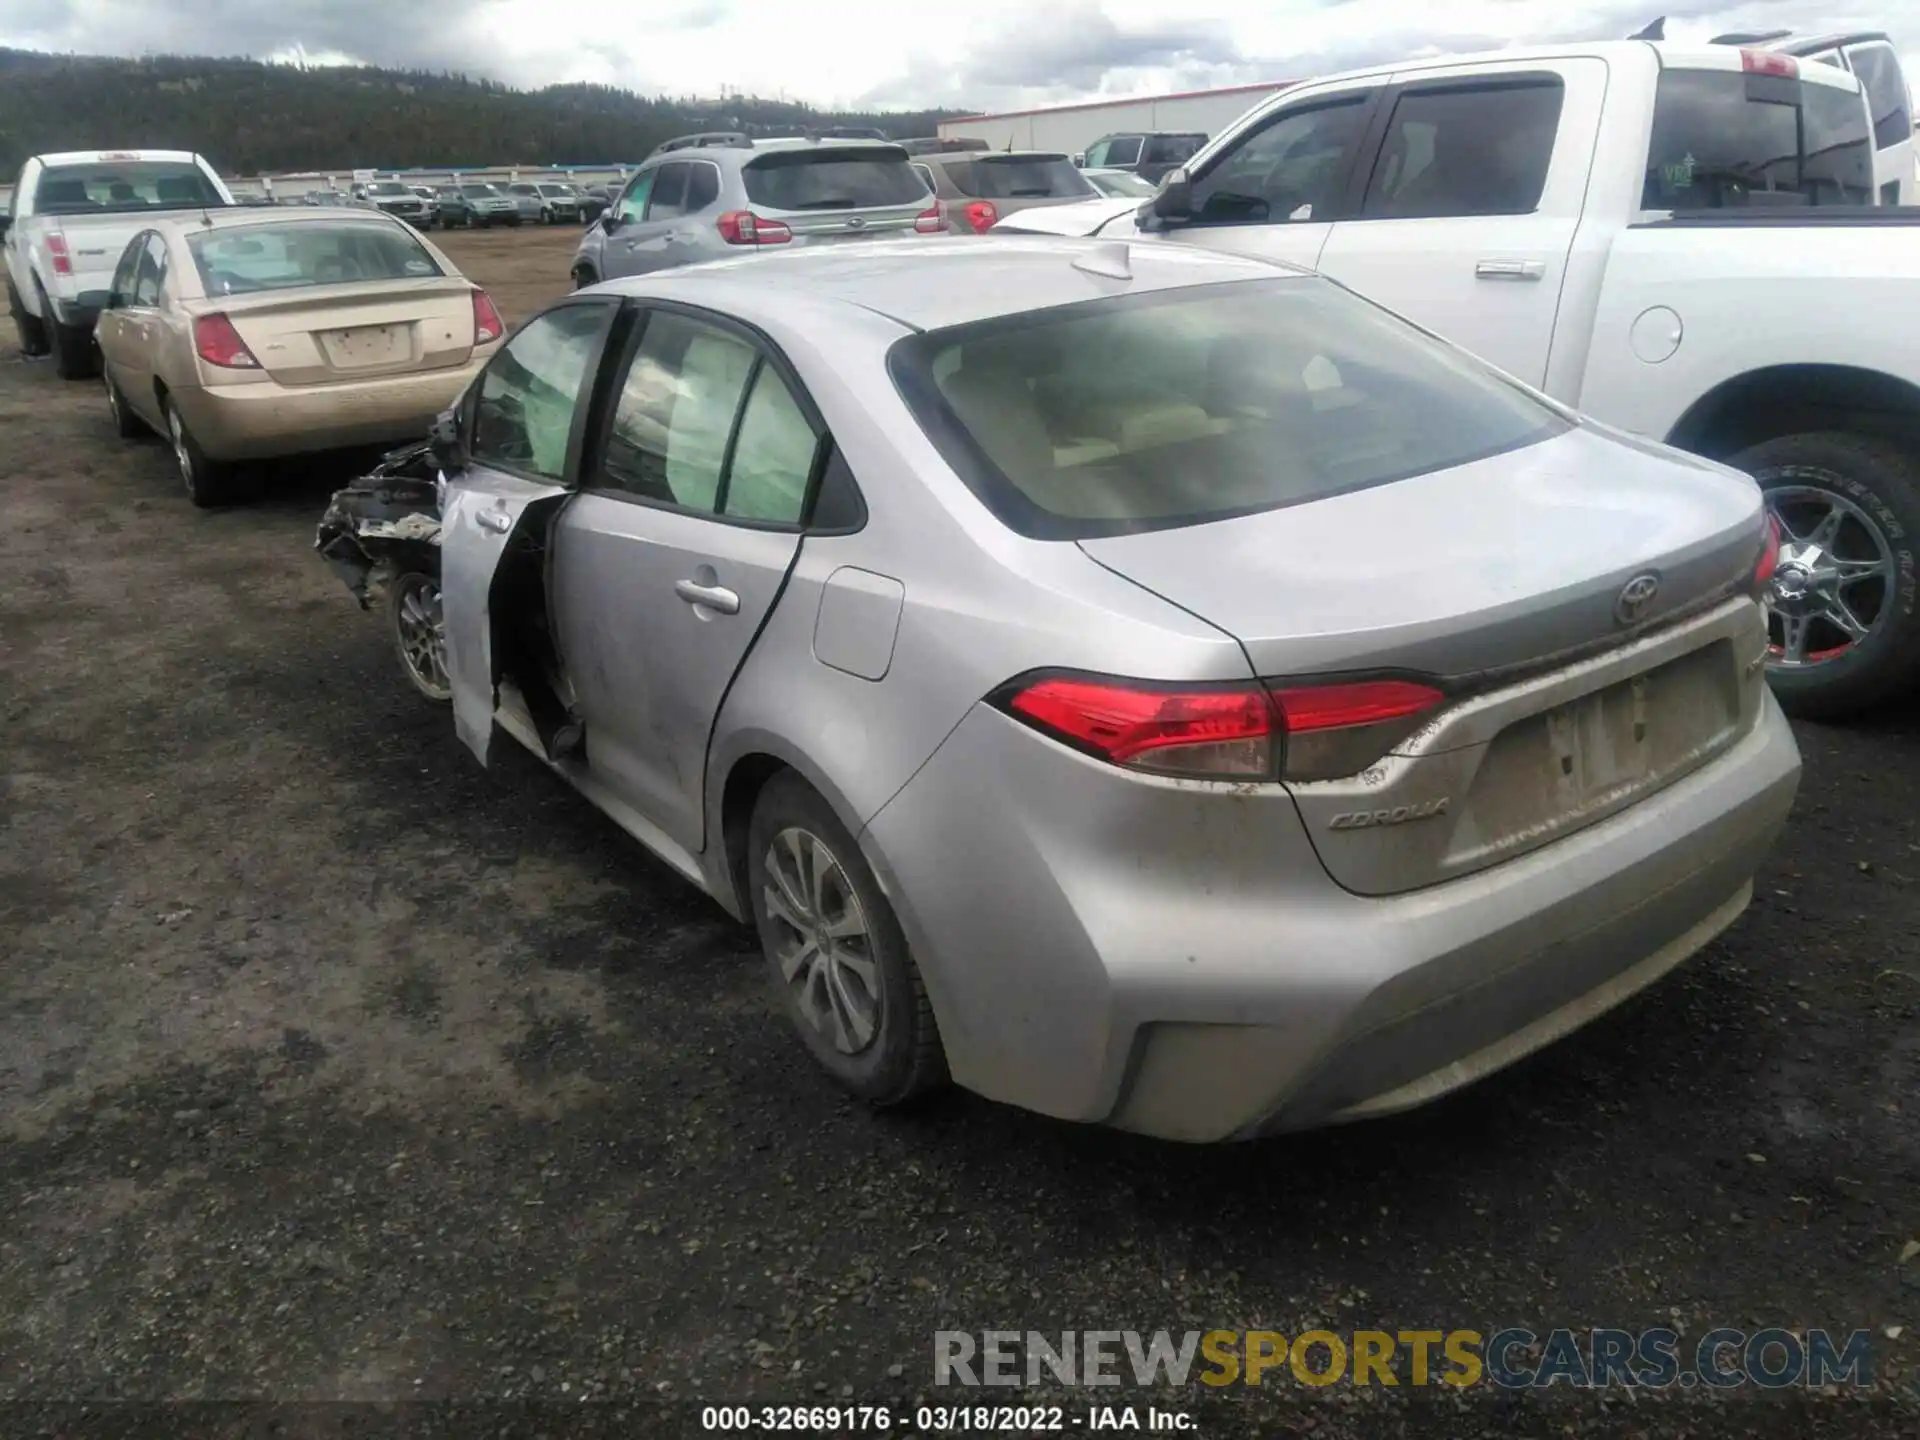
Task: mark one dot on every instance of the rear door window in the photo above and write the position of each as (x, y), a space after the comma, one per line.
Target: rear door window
(1466, 150)
(839, 177)
(1173, 149)
(151, 274)
(703, 186)
(1879, 71)
(1723, 139)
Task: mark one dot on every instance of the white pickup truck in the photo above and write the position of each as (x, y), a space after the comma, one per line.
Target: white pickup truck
(1676, 241)
(72, 216)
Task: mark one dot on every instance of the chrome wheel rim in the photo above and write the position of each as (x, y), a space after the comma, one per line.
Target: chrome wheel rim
(422, 633)
(113, 400)
(1833, 581)
(822, 943)
(178, 434)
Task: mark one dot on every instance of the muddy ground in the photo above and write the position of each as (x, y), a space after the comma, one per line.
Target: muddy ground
(334, 1067)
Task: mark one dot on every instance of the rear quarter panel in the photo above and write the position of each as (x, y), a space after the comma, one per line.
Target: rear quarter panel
(1745, 300)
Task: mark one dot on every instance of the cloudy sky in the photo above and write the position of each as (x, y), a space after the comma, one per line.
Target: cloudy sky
(980, 54)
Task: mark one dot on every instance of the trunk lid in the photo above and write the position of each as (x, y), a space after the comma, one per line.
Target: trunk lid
(836, 191)
(1516, 582)
(324, 333)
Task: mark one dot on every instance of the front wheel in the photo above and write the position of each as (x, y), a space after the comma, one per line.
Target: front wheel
(1843, 623)
(835, 952)
(419, 633)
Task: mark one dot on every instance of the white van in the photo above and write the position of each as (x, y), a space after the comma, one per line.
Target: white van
(1869, 55)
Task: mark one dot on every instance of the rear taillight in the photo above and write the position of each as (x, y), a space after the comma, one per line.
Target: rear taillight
(928, 222)
(1769, 560)
(487, 324)
(1225, 732)
(743, 227)
(57, 252)
(1339, 730)
(981, 215)
(1766, 62)
(218, 343)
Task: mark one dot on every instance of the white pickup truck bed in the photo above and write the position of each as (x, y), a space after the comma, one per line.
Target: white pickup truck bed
(1678, 242)
(73, 215)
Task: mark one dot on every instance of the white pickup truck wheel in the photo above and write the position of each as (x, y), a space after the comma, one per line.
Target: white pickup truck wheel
(74, 357)
(33, 335)
(1842, 613)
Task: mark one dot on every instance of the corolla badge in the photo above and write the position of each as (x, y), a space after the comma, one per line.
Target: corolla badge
(1635, 597)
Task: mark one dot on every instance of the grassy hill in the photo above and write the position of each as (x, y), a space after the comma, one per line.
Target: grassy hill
(249, 117)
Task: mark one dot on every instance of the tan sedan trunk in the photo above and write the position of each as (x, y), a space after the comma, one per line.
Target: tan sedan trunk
(354, 332)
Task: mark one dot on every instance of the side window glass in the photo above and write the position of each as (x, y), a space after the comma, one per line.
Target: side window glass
(1466, 151)
(1290, 170)
(1886, 88)
(1124, 151)
(669, 198)
(532, 389)
(124, 272)
(1097, 154)
(146, 277)
(703, 187)
(926, 178)
(633, 204)
(675, 412)
(772, 455)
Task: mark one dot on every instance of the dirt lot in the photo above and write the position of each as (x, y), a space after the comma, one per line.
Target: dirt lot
(333, 1067)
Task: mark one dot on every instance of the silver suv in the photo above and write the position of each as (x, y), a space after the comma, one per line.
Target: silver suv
(715, 201)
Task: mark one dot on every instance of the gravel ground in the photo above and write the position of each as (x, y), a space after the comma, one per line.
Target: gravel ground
(336, 1068)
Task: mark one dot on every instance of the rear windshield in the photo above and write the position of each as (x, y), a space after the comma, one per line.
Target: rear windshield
(1022, 177)
(1160, 410)
(832, 179)
(125, 185)
(1172, 149)
(289, 256)
(1723, 139)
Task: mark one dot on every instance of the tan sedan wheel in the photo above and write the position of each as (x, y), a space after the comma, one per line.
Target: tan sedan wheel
(208, 484)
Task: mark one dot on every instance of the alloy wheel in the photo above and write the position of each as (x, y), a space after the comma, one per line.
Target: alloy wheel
(420, 629)
(182, 456)
(825, 947)
(1834, 579)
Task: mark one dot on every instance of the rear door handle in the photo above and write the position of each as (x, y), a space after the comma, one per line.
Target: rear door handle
(714, 597)
(1510, 270)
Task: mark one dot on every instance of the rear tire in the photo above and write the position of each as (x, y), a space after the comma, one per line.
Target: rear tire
(33, 334)
(1874, 486)
(209, 483)
(72, 345)
(855, 997)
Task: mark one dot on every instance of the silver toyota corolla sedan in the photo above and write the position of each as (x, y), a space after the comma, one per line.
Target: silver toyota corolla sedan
(1144, 686)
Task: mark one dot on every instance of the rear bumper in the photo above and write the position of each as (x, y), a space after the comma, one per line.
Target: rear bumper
(262, 421)
(1173, 959)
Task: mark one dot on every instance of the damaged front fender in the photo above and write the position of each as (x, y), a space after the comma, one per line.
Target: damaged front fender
(385, 523)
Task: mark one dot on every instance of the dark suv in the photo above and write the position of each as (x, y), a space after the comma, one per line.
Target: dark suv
(1150, 155)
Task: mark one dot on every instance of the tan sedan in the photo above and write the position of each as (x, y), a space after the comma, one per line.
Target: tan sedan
(258, 333)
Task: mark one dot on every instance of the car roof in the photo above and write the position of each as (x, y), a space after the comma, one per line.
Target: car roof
(238, 217)
(927, 284)
(969, 157)
(113, 157)
(1671, 55)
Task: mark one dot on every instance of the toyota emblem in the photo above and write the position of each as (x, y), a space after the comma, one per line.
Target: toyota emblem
(1636, 597)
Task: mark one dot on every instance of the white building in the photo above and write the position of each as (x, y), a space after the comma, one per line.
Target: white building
(1071, 128)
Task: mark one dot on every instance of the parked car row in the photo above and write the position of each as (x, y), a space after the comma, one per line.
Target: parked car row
(986, 588)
